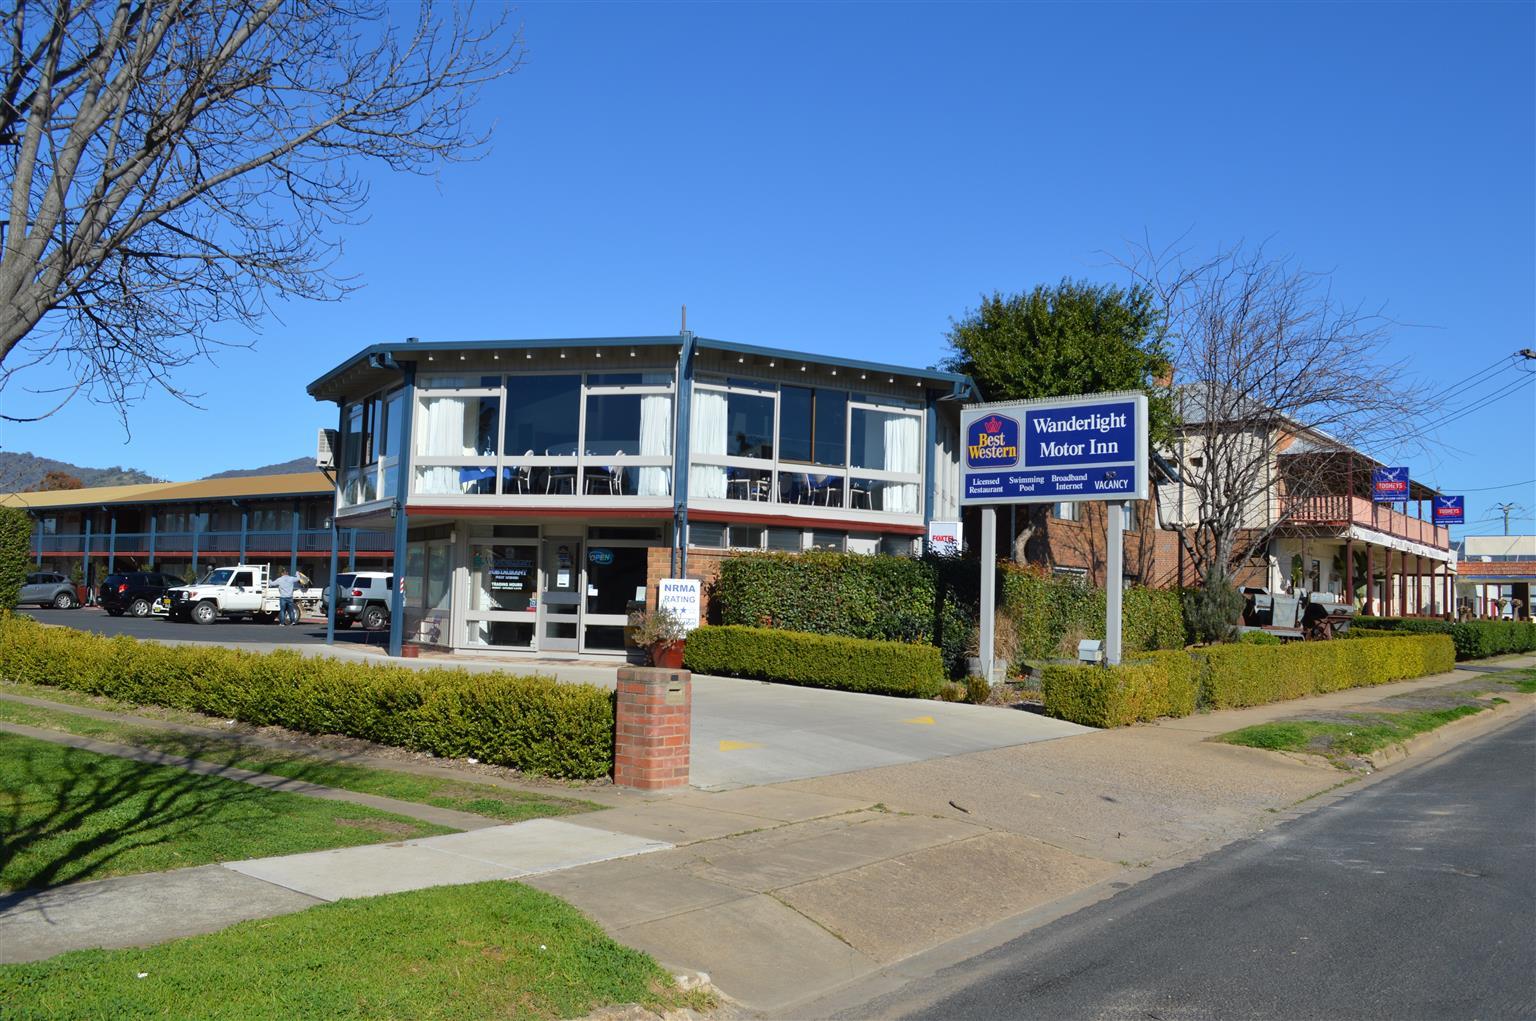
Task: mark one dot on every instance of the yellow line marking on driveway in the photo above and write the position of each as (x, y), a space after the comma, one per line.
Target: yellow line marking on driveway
(736, 746)
(926, 721)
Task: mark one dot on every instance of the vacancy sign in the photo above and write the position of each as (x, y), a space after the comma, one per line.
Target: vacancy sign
(1060, 449)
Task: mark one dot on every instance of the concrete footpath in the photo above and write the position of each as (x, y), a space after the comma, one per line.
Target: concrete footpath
(794, 894)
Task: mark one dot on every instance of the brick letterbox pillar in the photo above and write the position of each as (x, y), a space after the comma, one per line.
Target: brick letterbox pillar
(653, 720)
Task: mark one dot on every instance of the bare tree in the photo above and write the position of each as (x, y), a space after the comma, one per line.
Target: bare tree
(173, 164)
(1278, 382)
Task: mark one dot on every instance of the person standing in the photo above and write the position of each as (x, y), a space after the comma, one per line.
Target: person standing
(287, 609)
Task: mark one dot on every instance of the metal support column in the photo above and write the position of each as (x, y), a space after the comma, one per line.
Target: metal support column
(930, 457)
(1370, 580)
(682, 447)
(1349, 572)
(293, 545)
(85, 556)
(335, 591)
(244, 522)
(37, 524)
(112, 544)
(196, 537)
(153, 517)
(402, 490)
(1114, 583)
(988, 587)
(352, 549)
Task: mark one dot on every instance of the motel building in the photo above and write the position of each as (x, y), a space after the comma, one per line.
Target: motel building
(538, 490)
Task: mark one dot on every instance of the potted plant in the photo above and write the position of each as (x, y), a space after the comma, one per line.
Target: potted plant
(661, 633)
(77, 578)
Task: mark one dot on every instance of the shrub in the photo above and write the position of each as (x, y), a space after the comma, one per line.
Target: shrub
(1474, 639)
(1211, 613)
(820, 661)
(1049, 611)
(15, 543)
(977, 689)
(1244, 675)
(1260, 638)
(530, 723)
(1144, 688)
(1235, 675)
(893, 599)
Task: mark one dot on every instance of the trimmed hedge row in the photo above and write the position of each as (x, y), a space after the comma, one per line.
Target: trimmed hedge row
(1146, 688)
(534, 724)
(818, 661)
(885, 598)
(1474, 639)
(1046, 609)
(1232, 676)
(15, 553)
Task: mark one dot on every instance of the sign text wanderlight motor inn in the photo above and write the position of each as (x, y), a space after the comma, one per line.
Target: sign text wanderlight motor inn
(1080, 448)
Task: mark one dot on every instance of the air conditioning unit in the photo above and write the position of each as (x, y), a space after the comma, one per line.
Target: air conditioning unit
(325, 449)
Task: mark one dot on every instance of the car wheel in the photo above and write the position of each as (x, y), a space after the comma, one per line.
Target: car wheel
(64, 601)
(205, 613)
(374, 618)
(139, 607)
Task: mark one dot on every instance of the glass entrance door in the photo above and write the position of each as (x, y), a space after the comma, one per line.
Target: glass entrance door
(560, 607)
(503, 594)
(616, 579)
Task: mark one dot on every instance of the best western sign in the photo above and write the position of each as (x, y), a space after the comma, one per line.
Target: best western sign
(1067, 448)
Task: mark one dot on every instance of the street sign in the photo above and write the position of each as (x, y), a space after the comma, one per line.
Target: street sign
(1059, 449)
(1390, 485)
(1450, 510)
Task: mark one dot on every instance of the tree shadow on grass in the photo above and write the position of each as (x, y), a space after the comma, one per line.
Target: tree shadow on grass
(71, 815)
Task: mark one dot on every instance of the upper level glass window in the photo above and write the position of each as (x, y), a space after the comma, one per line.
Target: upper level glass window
(543, 415)
(812, 425)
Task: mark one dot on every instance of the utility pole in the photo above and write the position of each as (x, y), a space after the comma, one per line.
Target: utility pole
(1506, 509)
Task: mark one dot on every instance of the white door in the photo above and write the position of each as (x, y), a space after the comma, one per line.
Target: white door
(560, 602)
(244, 594)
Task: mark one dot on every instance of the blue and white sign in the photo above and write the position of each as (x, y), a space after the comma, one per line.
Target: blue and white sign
(1389, 485)
(1061, 449)
(1450, 510)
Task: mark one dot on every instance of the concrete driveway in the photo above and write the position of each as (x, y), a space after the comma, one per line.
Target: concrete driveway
(750, 732)
(745, 733)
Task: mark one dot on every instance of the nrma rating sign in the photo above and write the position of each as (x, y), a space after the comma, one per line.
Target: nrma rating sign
(1069, 448)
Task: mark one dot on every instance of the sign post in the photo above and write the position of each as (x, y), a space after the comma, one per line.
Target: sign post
(1058, 450)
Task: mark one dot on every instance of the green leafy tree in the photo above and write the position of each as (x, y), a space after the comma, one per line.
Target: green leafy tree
(1073, 338)
(15, 543)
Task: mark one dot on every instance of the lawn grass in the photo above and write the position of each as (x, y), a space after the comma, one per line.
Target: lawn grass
(487, 950)
(494, 802)
(68, 815)
(1363, 734)
(1523, 681)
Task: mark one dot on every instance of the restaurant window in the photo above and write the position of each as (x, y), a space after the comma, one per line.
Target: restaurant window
(812, 425)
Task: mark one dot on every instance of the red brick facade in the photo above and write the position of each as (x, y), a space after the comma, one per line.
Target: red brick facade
(652, 728)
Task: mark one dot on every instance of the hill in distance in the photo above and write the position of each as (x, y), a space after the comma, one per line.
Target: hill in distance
(21, 472)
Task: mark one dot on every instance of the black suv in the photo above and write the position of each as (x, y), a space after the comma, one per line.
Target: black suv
(134, 592)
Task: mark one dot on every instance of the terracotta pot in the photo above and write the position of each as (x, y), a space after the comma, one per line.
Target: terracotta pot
(668, 655)
(409, 651)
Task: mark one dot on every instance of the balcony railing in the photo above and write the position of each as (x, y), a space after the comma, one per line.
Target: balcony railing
(214, 543)
(1357, 510)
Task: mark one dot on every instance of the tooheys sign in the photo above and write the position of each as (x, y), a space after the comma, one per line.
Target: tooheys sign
(1450, 510)
(1063, 449)
(1389, 485)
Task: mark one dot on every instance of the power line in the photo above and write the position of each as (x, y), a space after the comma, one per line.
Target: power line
(1479, 405)
(1468, 381)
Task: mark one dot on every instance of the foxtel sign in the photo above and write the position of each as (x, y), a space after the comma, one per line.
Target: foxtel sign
(1063, 449)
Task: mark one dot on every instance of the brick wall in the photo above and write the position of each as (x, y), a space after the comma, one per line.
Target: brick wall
(652, 728)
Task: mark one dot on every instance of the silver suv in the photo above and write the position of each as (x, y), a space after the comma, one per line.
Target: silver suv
(45, 589)
(364, 597)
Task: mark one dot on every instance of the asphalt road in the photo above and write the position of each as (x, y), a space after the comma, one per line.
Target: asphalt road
(1413, 898)
(309, 632)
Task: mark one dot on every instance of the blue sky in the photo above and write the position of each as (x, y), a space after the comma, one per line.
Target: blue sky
(847, 178)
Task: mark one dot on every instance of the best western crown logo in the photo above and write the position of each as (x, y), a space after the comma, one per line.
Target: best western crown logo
(992, 442)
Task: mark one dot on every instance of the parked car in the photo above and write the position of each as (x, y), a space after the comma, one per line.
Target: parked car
(241, 592)
(364, 596)
(133, 592)
(44, 589)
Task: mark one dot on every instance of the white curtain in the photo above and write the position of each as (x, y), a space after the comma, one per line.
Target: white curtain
(655, 441)
(708, 436)
(444, 430)
(901, 455)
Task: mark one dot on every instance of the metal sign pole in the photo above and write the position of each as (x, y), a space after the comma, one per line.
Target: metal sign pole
(988, 587)
(1114, 582)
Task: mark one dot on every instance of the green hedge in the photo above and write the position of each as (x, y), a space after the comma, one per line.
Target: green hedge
(1474, 639)
(529, 723)
(819, 661)
(884, 598)
(15, 553)
(1145, 688)
(1046, 608)
(1232, 676)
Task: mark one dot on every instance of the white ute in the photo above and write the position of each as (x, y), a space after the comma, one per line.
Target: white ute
(244, 591)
